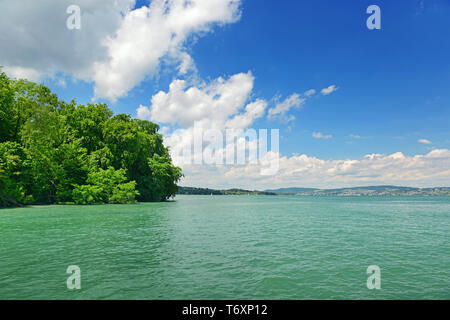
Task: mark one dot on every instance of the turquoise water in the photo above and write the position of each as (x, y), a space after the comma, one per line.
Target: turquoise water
(230, 247)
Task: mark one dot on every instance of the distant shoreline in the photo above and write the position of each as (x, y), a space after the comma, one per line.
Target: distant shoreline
(354, 191)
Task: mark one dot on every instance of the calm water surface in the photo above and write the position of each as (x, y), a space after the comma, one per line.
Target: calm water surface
(230, 247)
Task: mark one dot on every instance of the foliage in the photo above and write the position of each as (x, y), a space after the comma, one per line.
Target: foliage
(206, 191)
(106, 186)
(15, 174)
(52, 151)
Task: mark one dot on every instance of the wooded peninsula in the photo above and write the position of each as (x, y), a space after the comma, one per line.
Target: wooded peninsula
(57, 152)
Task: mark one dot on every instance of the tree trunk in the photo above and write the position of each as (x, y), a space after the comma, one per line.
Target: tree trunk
(10, 200)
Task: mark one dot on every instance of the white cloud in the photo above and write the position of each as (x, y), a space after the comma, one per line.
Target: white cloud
(35, 38)
(253, 111)
(227, 103)
(218, 105)
(320, 135)
(283, 107)
(143, 112)
(116, 47)
(310, 92)
(424, 141)
(22, 73)
(427, 170)
(355, 136)
(329, 90)
(150, 33)
(187, 64)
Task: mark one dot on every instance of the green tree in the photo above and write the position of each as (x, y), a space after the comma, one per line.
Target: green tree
(106, 186)
(15, 174)
(58, 152)
(136, 146)
(163, 178)
(6, 108)
(87, 124)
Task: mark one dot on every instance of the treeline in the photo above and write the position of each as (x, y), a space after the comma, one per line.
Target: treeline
(198, 191)
(55, 152)
(206, 191)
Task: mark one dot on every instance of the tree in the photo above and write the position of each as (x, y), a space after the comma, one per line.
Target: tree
(6, 108)
(163, 177)
(52, 151)
(136, 146)
(15, 174)
(106, 186)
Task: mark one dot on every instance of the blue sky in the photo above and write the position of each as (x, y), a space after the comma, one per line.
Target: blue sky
(392, 84)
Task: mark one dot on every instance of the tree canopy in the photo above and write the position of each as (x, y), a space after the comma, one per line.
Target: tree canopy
(57, 152)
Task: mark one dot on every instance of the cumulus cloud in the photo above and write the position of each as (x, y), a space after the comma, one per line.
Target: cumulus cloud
(427, 170)
(228, 103)
(143, 112)
(283, 107)
(320, 135)
(117, 46)
(329, 90)
(424, 141)
(222, 104)
(36, 42)
(217, 104)
(149, 33)
(22, 73)
(310, 92)
(187, 64)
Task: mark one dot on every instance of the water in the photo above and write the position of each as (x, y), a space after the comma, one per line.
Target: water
(230, 247)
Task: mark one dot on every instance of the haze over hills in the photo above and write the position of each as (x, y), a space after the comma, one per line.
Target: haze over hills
(366, 190)
(353, 191)
(291, 190)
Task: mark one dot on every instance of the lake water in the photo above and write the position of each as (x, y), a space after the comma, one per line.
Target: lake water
(230, 247)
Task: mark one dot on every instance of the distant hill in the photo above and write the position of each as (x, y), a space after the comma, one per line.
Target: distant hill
(291, 190)
(364, 191)
(206, 191)
(353, 191)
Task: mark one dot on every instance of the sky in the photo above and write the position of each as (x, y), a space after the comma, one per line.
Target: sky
(354, 106)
